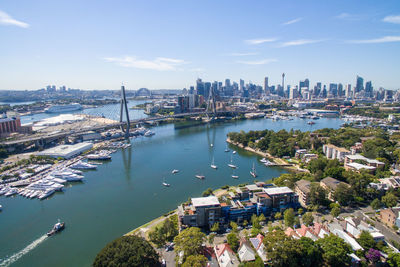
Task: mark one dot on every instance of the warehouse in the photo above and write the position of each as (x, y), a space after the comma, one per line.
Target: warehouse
(66, 151)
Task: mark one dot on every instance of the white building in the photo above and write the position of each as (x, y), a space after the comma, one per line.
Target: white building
(66, 151)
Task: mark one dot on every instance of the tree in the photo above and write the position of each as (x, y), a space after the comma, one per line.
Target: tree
(317, 195)
(166, 232)
(343, 194)
(195, 261)
(215, 227)
(390, 200)
(255, 222)
(281, 249)
(394, 259)
(296, 221)
(211, 238)
(245, 223)
(376, 204)
(261, 218)
(300, 211)
(311, 253)
(366, 240)
(335, 250)
(288, 216)
(127, 251)
(373, 255)
(335, 211)
(208, 192)
(189, 241)
(234, 226)
(278, 216)
(308, 218)
(233, 241)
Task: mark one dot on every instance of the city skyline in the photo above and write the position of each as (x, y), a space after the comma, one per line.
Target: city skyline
(62, 43)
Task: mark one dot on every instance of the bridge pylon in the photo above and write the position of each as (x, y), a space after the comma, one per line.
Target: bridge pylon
(124, 109)
(211, 106)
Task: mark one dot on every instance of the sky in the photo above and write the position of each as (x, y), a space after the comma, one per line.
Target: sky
(158, 44)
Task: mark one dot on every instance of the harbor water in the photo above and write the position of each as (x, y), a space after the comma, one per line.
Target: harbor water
(127, 191)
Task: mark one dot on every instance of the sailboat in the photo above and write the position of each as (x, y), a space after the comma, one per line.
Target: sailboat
(233, 166)
(253, 171)
(213, 164)
(164, 183)
(227, 149)
(234, 176)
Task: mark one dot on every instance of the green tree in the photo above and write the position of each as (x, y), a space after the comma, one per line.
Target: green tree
(317, 195)
(245, 223)
(343, 194)
(394, 259)
(215, 227)
(296, 221)
(288, 216)
(234, 226)
(195, 261)
(300, 211)
(127, 251)
(281, 249)
(211, 238)
(311, 253)
(208, 192)
(278, 216)
(376, 204)
(233, 241)
(335, 211)
(261, 218)
(366, 240)
(390, 200)
(189, 241)
(308, 218)
(335, 251)
(255, 222)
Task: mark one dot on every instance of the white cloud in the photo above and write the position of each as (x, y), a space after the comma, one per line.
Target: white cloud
(258, 62)
(347, 16)
(197, 70)
(242, 54)
(385, 39)
(159, 63)
(392, 19)
(6, 19)
(292, 21)
(299, 42)
(260, 41)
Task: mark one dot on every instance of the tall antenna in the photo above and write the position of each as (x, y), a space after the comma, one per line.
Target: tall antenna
(124, 106)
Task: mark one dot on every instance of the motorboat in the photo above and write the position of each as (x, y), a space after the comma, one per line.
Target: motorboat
(67, 176)
(83, 166)
(227, 149)
(175, 171)
(235, 176)
(46, 193)
(101, 156)
(149, 133)
(310, 123)
(263, 160)
(234, 152)
(58, 227)
(200, 176)
(11, 191)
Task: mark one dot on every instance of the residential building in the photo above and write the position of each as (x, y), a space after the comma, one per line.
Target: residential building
(330, 184)
(9, 125)
(257, 243)
(334, 152)
(358, 167)
(302, 189)
(203, 211)
(281, 198)
(246, 252)
(225, 256)
(390, 216)
(361, 158)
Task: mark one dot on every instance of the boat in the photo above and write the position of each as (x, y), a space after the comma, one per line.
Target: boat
(211, 145)
(310, 123)
(10, 192)
(46, 193)
(149, 133)
(83, 166)
(67, 176)
(227, 149)
(1, 207)
(63, 108)
(253, 171)
(200, 176)
(165, 184)
(234, 152)
(175, 171)
(58, 227)
(263, 160)
(234, 176)
(101, 156)
(233, 166)
(213, 164)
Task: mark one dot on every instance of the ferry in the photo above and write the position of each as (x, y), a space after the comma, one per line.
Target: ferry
(58, 227)
(63, 108)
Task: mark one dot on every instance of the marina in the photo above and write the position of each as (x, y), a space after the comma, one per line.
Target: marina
(129, 184)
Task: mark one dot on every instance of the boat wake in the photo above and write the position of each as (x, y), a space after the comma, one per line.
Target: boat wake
(13, 258)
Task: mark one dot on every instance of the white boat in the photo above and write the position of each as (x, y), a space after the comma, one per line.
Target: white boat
(46, 194)
(213, 165)
(165, 184)
(63, 108)
(83, 166)
(10, 192)
(227, 149)
(253, 171)
(200, 176)
(234, 176)
(1, 207)
(149, 133)
(234, 152)
(212, 145)
(263, 160)
(175, 171)
(233, 166)
(101, 156)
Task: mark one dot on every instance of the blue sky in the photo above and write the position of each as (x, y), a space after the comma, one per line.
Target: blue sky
(97, 44)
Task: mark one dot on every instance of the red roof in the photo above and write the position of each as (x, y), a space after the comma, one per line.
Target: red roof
(221, 248)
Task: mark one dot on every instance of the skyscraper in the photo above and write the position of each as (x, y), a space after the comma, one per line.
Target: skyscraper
(304, 85)
(266, 84)
(348, 91)
(241, 85)
(283, 81)
(359, 84)
(369, 90)
(200, 87)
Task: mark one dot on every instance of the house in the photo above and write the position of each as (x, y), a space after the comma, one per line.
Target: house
(348, 239)
(320, 230)
(330, 184)
(245, 252)
(225, 256)
(334, 152)
(257, 243)
(305, 231)
(357, 148)
(392, 182)
(390, 216)
(291, 233)
(302, 189)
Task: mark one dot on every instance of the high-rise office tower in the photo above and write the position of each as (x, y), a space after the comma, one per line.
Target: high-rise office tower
(241, 85)
(359, 84)
(227, 83)
(283, 81)
(340, 90)
(293, 93)
(348, 92)
(200, 87)
(304, 85)
(333, 89)
(207, 88)
(265, 84)
(369, 90)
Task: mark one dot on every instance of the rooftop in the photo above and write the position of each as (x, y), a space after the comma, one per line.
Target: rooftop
(359, 166)
(205, 201)
(278, 190)
(304, 186)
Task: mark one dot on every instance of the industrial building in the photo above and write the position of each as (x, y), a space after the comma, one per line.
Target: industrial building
(66, 151)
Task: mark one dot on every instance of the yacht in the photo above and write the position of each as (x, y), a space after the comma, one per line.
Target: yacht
(101, 156)
(46, 194)
(175, 171)
(213, 164)
(233, 166)
(83, 166)
(234, 176)
(234, 152)
(10, 192)
(63, 108)
(253, 171)
(67, 176)
(263, 160)
(149, 133)
(165, 184)
(58, 227)
(200, 176)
